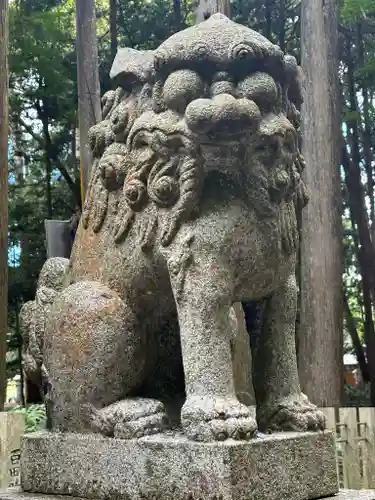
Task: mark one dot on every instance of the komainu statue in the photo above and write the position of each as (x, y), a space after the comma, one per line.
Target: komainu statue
(192, 206)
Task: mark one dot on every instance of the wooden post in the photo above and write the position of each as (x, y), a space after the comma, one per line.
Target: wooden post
(89, 108)
(12, 428)
(58, 238)
(3, 195)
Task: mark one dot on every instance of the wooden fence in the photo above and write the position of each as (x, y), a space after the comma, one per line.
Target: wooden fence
(355, 438)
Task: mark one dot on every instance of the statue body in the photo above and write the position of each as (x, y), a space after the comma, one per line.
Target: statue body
(192, 206)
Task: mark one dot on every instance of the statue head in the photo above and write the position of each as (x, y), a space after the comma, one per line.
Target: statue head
(221, 99)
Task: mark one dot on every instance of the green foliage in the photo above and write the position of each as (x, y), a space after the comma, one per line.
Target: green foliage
(41, 69)
(350, 116)
(357, 396)
(35, 416)
(354, 10)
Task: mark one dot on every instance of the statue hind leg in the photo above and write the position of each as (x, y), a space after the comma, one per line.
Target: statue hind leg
(281, 406)
(95, 355)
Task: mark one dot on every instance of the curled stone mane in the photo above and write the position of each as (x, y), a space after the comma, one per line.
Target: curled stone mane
(132, 74)
(168, 175)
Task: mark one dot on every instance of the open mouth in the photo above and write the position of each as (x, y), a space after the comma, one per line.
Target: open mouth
(205, 121)
(167, 127)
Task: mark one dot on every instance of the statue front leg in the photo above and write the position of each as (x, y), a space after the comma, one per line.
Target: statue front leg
(202, 289)
(281, 406)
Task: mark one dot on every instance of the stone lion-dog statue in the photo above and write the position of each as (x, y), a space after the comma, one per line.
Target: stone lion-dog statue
(192, 206)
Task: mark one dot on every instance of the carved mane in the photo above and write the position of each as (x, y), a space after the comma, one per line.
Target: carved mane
(144, 149)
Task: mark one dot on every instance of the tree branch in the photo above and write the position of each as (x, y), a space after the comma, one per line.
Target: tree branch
(29, 129)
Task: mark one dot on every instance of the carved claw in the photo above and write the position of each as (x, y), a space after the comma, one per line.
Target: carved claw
(144, 426)
(218, 419)
(292, 414)
(127, 419)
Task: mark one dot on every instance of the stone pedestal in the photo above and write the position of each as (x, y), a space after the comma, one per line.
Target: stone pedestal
(169, 467)
(16, 494)
(12, 427)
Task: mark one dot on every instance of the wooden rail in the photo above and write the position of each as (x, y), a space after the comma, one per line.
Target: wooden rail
(355, 438)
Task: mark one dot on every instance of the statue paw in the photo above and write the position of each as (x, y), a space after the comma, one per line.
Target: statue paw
(291, 414)
(217, 419)
(129, 418)
(142, 426)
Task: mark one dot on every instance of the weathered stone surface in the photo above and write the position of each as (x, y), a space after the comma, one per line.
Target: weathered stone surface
(16, 494)
(130, 63)
(33, 318)
(169, 467)
(12, 428)
(191, 208)
(354, 495)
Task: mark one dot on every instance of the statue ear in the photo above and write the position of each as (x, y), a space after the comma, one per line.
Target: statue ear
(132, 68)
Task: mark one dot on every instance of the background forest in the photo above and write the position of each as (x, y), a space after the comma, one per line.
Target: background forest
(44, 180)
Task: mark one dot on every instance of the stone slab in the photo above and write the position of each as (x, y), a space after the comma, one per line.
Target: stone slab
(354, 495)
(16, 494)
(169, 467)
(12, 428)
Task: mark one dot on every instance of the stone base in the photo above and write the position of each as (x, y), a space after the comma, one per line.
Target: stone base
(19, 495)
(169, 467)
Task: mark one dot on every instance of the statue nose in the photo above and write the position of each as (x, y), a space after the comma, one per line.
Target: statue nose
(222, 83)
(222, 87)
(223, 113)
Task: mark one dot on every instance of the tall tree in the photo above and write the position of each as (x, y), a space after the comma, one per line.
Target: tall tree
(320, 335)
(89, 109)
(3, 194)
(113, 27)
(206, 8)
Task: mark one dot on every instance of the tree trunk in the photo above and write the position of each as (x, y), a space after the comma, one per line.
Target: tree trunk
(206, 8)
(369, 331)
(268, 16)
(177, 15)
(89, 108)
(357, 203)
(3, 195)
(282, 25)
(320, 343)
(19, 349)
(365, 290)
(366, 132)
(113, 27)
(352, 329)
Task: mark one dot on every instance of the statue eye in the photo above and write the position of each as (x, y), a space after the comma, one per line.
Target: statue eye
(201, 50)
(242, 52)
(159, 61)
